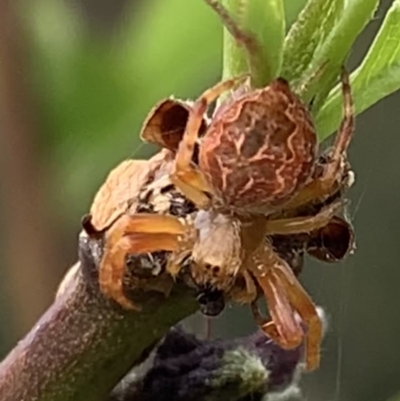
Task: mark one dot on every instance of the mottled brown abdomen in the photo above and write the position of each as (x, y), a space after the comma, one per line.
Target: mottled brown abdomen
(260, 150)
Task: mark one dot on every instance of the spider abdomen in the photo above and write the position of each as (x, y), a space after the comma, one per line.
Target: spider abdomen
(260, 149)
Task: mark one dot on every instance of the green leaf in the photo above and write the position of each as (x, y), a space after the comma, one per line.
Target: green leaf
(265, 20)
(292, 10)
(377, 77)
(326, 63)
(307, 34)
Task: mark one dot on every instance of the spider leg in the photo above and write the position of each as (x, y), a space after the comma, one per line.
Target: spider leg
(284, 329)
(302, 224)
(346, 129)
(331, 179)
(245, 294)
(137, 234)
(193, 185)
(189, 180)
(302, 303)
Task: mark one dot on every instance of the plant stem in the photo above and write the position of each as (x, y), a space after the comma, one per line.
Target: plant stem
(83, 345)
(264, 20)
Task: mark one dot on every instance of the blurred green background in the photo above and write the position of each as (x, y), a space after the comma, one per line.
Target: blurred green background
(76, 80)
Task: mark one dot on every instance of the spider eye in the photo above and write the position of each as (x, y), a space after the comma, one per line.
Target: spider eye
(215, 269)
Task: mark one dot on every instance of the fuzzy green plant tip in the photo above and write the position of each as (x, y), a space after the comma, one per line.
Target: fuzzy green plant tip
(334, 50)
(264, 21)
(307, 35)
(313, 51)
(377, 77)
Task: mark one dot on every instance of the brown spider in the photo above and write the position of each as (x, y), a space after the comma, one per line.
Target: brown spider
(256, 169)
